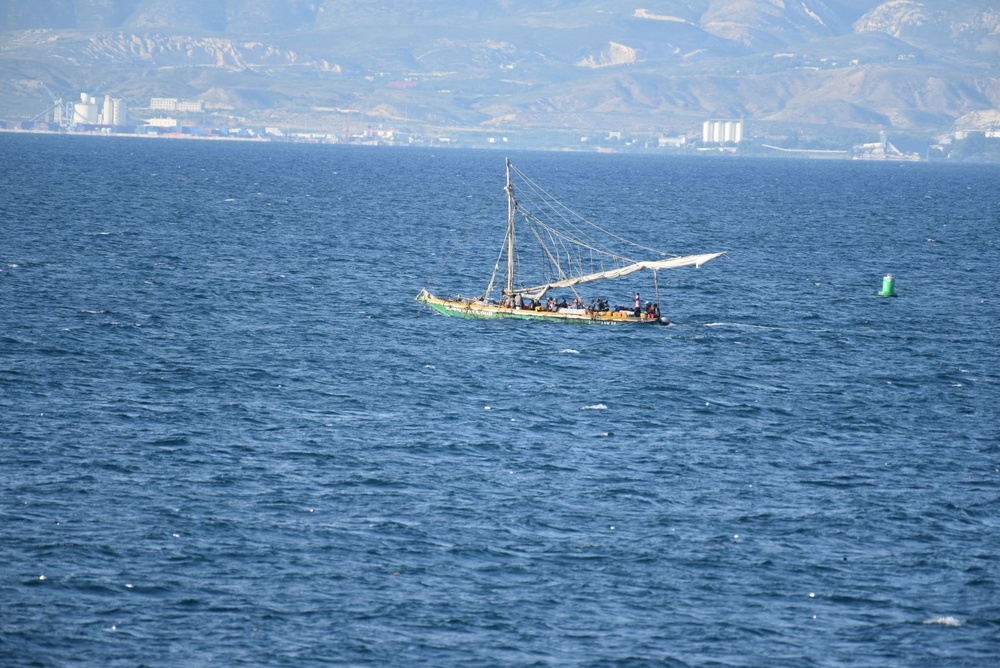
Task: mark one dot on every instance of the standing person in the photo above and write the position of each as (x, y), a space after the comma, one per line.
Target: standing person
(638, 305)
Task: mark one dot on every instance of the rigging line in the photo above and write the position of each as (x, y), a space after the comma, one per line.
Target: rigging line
(576, 228)
(493, 276)
(570, 254)
(583, 219)
(557, 208)
(563, 252)
(548, 253)
(570, 227)
(554, 211)
(577, 242)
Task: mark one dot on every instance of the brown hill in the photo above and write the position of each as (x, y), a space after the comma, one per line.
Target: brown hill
(585, 65)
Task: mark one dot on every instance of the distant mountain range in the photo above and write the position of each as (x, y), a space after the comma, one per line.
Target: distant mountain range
(836, 67)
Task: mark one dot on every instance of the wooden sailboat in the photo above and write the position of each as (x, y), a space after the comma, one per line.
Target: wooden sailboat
(571, 252)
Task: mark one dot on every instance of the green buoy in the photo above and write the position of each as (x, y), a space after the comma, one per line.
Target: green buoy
(888, 286)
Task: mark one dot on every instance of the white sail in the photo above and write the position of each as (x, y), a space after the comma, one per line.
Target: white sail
(538, 291)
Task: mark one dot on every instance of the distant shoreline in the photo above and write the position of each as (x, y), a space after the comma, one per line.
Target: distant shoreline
(754, 149)
(171, 135)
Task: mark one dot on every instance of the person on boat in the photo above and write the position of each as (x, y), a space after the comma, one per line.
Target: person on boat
(638, 305)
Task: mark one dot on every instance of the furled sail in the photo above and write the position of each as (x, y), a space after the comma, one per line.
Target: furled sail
(538, 291)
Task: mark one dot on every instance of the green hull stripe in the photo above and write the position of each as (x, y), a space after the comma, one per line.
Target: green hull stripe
(469, 313)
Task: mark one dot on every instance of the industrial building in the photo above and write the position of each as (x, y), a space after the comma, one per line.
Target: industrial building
(112, 112)
(726, 131)
(173, 104)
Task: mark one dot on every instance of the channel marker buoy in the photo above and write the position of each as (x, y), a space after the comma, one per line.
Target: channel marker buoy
(888, 286)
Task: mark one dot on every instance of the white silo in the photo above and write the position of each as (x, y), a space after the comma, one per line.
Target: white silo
(85, 111)
(706, 131)
(107, 112)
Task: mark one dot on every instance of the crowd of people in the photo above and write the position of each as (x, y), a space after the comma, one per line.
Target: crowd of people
(598, 305)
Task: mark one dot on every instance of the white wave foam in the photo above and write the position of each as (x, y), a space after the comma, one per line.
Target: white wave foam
(737, 324)
(944, 621)
(594, 407)
(569, 351)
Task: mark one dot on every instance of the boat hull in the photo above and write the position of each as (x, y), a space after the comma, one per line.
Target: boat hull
(471, 309)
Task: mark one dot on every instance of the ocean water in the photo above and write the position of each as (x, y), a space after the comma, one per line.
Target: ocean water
(230, 436)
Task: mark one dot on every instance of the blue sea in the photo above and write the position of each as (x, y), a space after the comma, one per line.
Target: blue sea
(230, 436)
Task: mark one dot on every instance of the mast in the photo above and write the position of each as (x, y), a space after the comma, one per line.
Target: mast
(510, 234)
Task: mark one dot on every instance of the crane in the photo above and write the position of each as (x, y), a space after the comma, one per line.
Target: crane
(56, 108)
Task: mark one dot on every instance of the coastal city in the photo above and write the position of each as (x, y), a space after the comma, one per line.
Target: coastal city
(170, 117)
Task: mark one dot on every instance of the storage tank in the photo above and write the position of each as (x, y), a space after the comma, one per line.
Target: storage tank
(85, 113)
